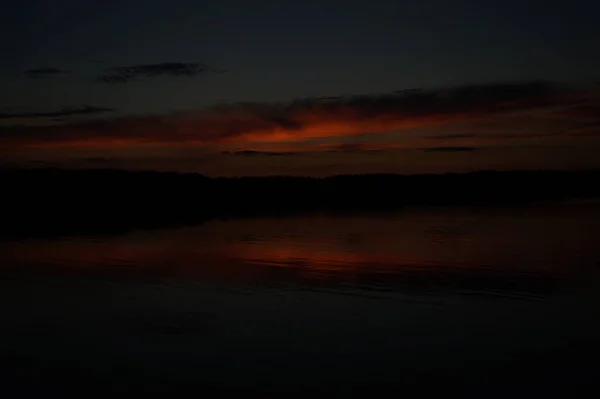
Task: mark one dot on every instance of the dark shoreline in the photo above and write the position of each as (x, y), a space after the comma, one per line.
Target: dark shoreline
(51, 202)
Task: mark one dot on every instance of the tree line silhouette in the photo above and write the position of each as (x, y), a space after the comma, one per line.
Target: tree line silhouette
(57, 201)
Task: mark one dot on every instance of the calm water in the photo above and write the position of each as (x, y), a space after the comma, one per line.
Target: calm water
(446, 298)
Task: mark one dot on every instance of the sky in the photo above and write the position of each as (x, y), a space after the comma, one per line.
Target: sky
(230, 88)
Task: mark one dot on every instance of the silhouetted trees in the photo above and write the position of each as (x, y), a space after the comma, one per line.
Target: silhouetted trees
(57, 200)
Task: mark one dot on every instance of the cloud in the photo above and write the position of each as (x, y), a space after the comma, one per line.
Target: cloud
(449, 149)
(98, 159)
(351, 148)
(521, 135)
(123, 74)
(252, 153)
(243, 125)
(44, 72)
(451, 136)
(585, 110)
(42, 163)
(328, 98)
(585, 130)
(59, 114)
(345, 148)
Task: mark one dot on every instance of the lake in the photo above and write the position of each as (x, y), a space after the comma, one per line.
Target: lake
(500, 301)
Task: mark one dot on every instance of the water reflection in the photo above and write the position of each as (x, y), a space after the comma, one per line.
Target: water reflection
(426, 297)
(520, 252)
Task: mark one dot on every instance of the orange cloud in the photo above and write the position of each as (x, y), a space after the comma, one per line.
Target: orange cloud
(244, 124)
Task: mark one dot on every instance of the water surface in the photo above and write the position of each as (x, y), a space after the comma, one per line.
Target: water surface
(423, 299)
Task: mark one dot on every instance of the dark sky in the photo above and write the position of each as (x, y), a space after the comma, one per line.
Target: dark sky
(93, 80)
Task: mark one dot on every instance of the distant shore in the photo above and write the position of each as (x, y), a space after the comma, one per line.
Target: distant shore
(40, 202)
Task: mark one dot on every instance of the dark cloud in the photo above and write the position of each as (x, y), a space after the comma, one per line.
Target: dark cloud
(308, 119)
(252, 153)
(346, 148)
(590, 111)
(59, 114)
(585, 130)
(123, 74)
(354, 148)
(451, 136)
(520, 135)
(404, 91)
(488, 98)
(328, 98)
(44, 72)
(42, 163)
(449, 149)
(98, 159)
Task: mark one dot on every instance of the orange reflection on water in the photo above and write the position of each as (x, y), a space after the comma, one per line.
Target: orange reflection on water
(451, 245)
(291, 254)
